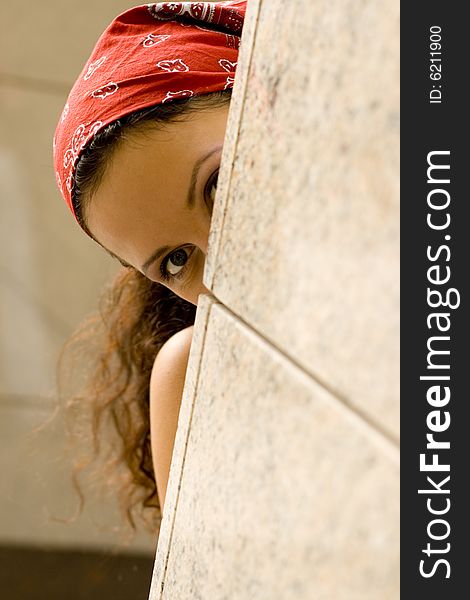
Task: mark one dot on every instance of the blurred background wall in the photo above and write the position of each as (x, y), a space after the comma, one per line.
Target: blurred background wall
(50, 278)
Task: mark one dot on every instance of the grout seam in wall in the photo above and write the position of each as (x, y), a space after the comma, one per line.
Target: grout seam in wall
(390, 438)
(371, 422)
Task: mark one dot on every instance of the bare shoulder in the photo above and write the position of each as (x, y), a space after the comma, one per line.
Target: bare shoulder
(166, 390)
(173, 356)
(169, 368)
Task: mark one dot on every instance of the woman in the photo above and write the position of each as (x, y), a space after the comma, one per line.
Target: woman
(137, 151)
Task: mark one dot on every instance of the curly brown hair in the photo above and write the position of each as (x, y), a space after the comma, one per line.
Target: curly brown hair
(137, 316)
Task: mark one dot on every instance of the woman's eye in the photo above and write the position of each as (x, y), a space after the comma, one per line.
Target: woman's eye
(174, 264)
(211, 191)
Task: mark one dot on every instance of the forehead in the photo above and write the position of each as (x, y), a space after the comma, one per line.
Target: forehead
(145, 184)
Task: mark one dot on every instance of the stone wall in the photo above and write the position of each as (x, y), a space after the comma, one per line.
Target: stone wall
(285, 477)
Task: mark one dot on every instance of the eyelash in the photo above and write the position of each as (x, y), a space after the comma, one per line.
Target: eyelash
(163, 269)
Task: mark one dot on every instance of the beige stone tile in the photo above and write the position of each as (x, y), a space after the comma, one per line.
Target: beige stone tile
(184, 426)
(278, 491)
(305, 245)
(52, 42)
(231, 134)
(36, 487)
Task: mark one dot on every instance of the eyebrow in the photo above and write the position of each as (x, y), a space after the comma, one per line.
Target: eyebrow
(190, 202)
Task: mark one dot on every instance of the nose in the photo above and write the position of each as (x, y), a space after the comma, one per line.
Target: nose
(203, 243)
(199, 288)
(193, 294)
(204, 290)
(196, 286)
(200, 239)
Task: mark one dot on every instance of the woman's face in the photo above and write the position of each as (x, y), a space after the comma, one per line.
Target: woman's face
(154, 204)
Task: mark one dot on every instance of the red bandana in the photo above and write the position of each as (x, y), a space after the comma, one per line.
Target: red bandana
(148, 55)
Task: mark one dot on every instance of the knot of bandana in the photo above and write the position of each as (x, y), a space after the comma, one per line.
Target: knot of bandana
(149, 55)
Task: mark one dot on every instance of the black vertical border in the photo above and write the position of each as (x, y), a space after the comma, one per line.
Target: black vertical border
(426, 127)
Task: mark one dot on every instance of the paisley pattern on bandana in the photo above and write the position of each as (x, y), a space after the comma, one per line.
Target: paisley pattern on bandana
(180, 94)
(151, 40)
(107, 90)
(227, 65)
(151, 54)
(92, 68)
(164, 11)
(173, 66)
